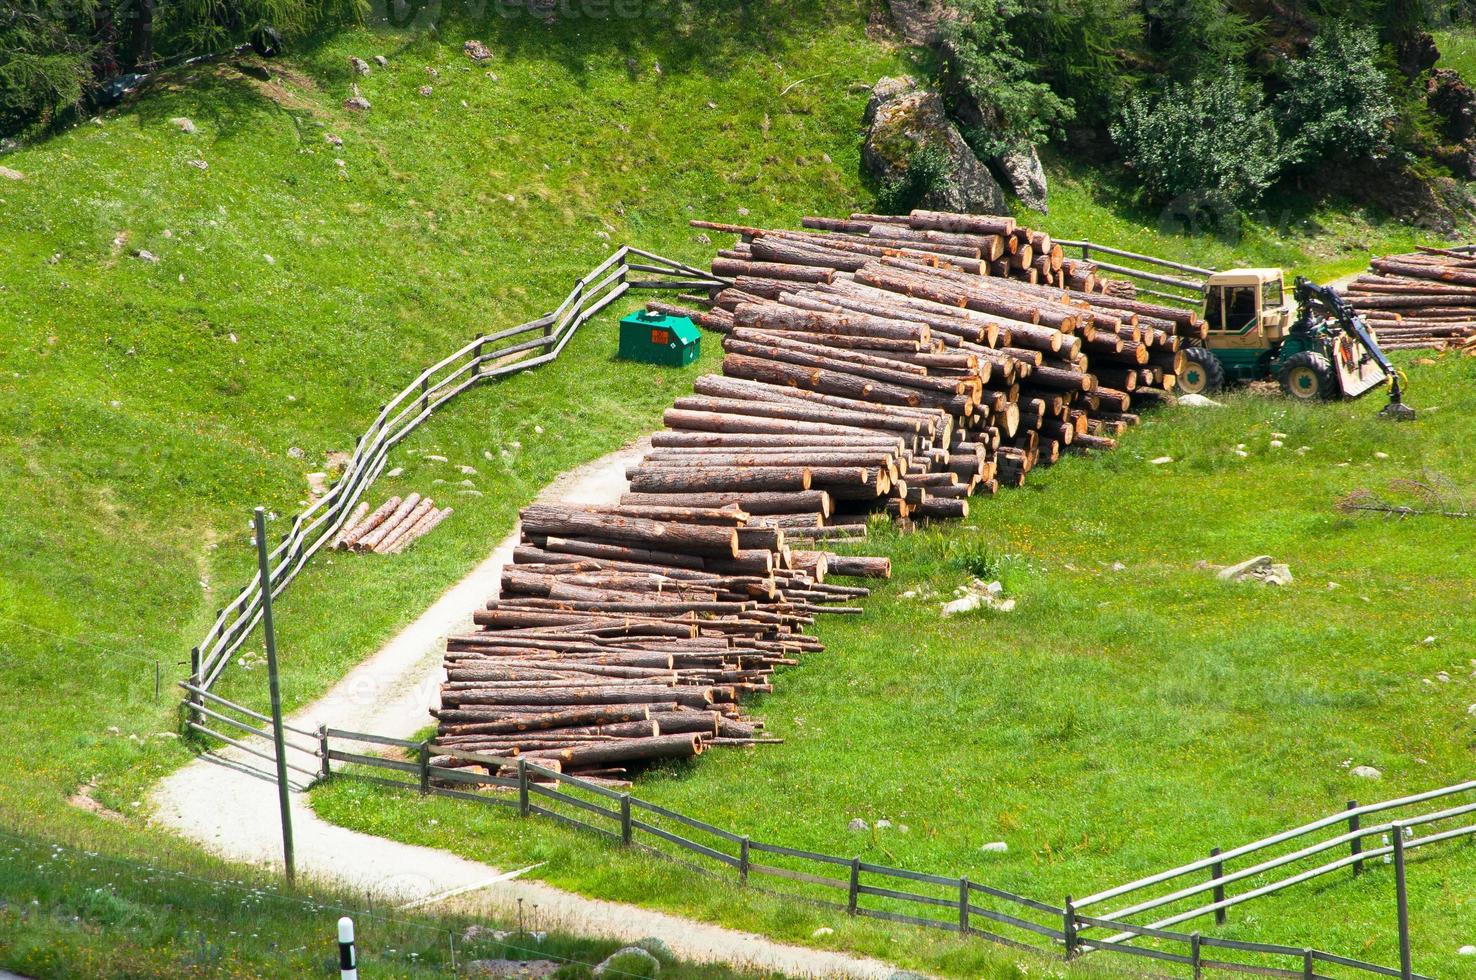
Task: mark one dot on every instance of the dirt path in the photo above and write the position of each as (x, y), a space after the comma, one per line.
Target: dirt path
(226, 804)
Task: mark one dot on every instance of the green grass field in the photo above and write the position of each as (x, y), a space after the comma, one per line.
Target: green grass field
(1119, 721)
(72, 912)
(147, 406)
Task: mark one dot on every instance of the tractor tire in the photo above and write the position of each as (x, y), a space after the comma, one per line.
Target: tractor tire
(1203, 373)
(1308, 377)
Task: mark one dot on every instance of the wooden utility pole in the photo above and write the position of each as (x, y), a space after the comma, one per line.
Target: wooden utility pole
(278, 740)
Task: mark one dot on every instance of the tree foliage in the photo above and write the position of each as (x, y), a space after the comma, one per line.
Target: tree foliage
(53, 53)
(1337, 101)
(45, 60)
(989, 68)
(1213, 137)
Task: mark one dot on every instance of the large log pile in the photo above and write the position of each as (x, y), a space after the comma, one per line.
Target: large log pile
(862, 374)
(1423, 299)
(628, 634)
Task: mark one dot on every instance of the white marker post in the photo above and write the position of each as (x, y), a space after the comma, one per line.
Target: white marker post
(348, 958)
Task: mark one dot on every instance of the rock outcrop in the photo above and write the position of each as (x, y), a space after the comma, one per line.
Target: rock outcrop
(903, 121)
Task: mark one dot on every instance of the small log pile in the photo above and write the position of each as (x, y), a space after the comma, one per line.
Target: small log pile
(629, 634)
(1425, 299)
(393, 526)
(871, 365)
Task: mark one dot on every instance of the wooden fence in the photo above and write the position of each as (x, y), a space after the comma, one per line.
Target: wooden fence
(485, 358)
(951, 903)
(1186, 291)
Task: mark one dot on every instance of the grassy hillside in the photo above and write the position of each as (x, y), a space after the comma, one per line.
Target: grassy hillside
(146, 406)
(150, 404)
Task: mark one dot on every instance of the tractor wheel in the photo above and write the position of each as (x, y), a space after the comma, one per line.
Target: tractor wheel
(1308, 376)
(1203, 373)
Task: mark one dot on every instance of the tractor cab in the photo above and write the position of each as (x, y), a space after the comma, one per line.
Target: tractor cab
(1249, 314)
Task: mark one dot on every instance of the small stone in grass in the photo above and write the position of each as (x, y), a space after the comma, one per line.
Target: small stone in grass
(183, 124)
(1366, 772)
(1381, 455)
(858, 826)
(822, 931)
(1160, 460)
(995, 847)
(1467, 951)
(883, 824)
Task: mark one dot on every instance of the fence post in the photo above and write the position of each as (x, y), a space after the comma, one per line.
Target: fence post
(855, 890)
(963, 905)
(1068, 927)
(1217, 871)
(1086, 251)
(625, 829)
(323, 750)
(523, 787)
(1406, 969)
(1357, 845)
(1194, 956)
(1307, 973)
(743, 860)
(424, 401)
(195, 681)
(425, 767)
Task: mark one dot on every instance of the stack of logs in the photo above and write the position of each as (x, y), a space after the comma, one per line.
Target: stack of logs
(1424, 299)
(394, 526)
(980, 244)
(879, 371)
(903, 372)
(629, 634)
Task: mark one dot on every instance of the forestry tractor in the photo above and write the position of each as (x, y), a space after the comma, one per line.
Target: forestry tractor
(1316, 346)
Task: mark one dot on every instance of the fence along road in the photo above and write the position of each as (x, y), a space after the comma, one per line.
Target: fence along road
(893, 894)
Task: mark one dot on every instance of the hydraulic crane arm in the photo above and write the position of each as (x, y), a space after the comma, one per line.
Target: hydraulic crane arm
(1312, 298)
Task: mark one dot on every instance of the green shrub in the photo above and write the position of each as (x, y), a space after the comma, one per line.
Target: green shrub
(928, 170)
(1212, 137)
(1337, 101)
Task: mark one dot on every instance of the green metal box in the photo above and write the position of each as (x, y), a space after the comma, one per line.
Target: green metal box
(656, 338)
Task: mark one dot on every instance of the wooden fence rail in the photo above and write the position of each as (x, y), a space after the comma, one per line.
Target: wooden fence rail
(1190, 291)
(483, 359)
(1271, 868)
(954, 904)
